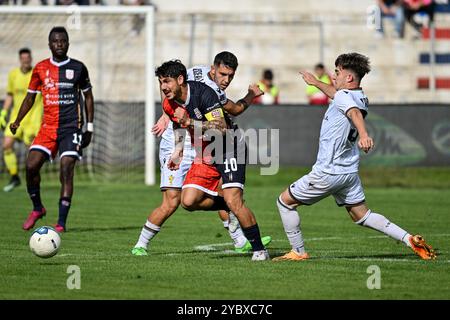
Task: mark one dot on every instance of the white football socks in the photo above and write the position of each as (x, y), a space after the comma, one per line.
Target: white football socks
(235, 231)
(380, 223)
(291, 224)
(148, 232)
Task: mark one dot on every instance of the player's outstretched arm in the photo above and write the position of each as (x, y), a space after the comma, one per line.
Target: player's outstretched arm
(161, 125)
(326, 88)
(365, 141)
(240, 106)
(27, 103)
(6, 106)
(89, 105)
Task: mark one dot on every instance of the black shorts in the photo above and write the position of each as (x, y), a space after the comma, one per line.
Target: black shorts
(232, 168)
(69, 144)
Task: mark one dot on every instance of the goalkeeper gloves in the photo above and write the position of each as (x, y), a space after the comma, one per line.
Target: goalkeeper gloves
(3, 121)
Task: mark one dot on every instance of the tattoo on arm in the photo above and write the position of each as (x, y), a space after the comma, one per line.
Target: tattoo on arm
(217, 125)
(214, 125)
(179, 136)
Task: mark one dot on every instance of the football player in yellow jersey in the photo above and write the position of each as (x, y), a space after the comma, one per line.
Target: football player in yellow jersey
(18, 80)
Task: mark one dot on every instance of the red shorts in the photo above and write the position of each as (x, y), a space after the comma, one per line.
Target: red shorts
(50, 141)
(204, 177)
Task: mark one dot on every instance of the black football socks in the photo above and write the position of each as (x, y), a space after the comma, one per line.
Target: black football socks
(254, 237)
(64, 206)
(35, 196)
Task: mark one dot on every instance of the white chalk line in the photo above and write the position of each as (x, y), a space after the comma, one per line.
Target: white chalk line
(211, 248)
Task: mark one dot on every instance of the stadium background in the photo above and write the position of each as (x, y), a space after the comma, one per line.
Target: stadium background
(286, 36)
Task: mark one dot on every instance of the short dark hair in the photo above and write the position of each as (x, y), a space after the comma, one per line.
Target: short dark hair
(227, 59)
(58, 29)
(268, 74)
(355, 62)
(24, 50)
(171, 69)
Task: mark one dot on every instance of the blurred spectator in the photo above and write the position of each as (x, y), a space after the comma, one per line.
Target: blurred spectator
(271, 91)
(413, 7)
(316, 96)
(23, 2)
(391, 9)
(70, 2)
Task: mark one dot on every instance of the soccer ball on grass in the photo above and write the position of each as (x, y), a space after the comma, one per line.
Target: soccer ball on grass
(45, 242)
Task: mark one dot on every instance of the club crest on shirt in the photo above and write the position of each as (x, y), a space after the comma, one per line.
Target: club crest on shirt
(69, 74)
(49, 84)
(216, 113)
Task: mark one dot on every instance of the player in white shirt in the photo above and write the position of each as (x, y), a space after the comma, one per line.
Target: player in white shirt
(218, 77)
(336, 169)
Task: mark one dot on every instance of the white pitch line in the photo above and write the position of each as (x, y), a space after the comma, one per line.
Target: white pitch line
(229, 252)
(212, 248)
(377, 259)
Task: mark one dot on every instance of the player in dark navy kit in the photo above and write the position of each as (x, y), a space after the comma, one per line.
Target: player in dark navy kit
(61, 80)
(195, 106)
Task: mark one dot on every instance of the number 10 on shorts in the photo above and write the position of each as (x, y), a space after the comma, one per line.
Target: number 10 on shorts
(232, 163)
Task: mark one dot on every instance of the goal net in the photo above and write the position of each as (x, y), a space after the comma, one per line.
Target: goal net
(116, 45)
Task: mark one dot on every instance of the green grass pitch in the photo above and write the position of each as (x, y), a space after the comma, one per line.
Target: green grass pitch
(191, 257)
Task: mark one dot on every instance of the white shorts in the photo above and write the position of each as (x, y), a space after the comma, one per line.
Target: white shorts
(313, 187)
(174, 178)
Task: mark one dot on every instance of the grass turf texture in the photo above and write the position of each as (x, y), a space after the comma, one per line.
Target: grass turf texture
(105, 221)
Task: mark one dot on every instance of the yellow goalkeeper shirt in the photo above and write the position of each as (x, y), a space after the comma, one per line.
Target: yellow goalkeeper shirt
(17, 87)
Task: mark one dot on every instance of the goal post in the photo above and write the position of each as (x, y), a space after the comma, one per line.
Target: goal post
(115, 42)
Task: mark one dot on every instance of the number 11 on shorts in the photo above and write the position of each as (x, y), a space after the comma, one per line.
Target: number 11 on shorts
(77, 139)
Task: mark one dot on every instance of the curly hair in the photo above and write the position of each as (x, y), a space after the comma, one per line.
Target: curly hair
(355, 62)
(172, 69)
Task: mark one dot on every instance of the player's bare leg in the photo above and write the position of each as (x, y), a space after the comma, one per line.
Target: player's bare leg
(363, 216)
(171, 199)
(170, 203)
(234, 200)
(287, 207)
(223, 215)
(66, 178)
(10, 159)
(193, 199)
(231, 224)
(35, 161)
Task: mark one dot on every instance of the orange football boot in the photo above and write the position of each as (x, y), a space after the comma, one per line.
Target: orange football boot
(292, 256)
(421, 248)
